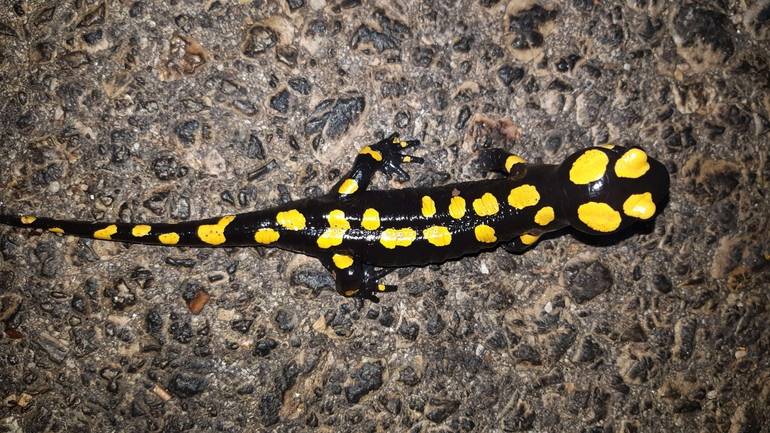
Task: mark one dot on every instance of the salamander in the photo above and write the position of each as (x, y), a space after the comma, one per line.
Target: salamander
(361, 235)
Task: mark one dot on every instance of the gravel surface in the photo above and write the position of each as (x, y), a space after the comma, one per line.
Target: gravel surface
(170, 110)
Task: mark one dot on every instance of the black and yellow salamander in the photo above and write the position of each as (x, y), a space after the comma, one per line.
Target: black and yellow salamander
(362, 235)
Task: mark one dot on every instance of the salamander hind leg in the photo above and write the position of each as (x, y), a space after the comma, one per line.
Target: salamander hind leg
(384, 156)
(356, 279)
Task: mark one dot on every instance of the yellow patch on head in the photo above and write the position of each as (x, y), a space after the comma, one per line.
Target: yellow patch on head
(485, 234)
(214, 234)
(392, 238)
(428, 207)
(599, 216)
(639, 206)
(105, 233)
(348, 187)
(511, 161)
(544, 216)
(169, 238)
(56, 230)
(528, 239)
(457, 207)
(633, 164)
(589, 167)
(291, 219)
(140, 230)
(27, 219)
(438, 236)
(338, 225)
(371, 152)
(342, 261)
(486, 205)
(371, 219)
(266, 236)
(523, 196)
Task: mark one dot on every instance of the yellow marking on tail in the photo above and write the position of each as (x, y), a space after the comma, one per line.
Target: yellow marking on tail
(106, 233)
(214, 234)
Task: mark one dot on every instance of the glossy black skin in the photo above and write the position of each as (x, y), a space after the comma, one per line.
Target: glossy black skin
(401, 208)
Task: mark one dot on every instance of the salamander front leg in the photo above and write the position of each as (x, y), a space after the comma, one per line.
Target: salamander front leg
(501, 161)
(384, 156)
(356, 279)
(520, 244)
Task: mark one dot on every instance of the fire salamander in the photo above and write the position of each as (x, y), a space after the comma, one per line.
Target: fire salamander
(362, 235)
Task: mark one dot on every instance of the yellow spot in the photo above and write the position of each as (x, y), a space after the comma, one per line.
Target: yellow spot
(348, 187)
(105, 233)
(438, 236)
(214, 234)
(511, 161)
(486, 205)
(400, 142)
(428, 207)
(291, 219)
(589, 166)
(140, 230)
(639, 206)
(633, 164)
(266, 236)
(351, 292)
(544, 216)
(608, 146)
(373, 153)
(599, 216)
(381, 287)
(27, 219)
(485, 234)
(523, 196)
(528, 239)
(392, 238)
(342, 261)
(457, 207)
(56, 230)
(371, 220)
(338, 225)
(169, 238)
(407, 159)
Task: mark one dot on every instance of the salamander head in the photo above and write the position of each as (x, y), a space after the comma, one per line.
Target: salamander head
(609, 188)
